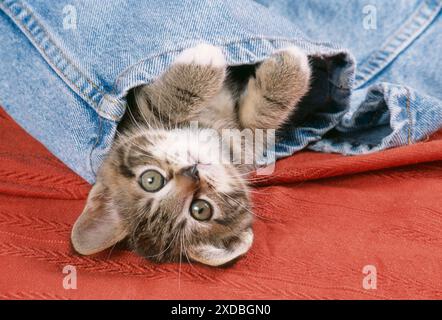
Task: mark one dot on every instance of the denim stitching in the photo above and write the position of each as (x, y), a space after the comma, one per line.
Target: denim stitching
(84, 95)
(290, 41)
(263, 48)
(381, 58)
(408, 32)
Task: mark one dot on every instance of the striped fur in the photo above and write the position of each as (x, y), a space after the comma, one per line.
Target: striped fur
(156, 133)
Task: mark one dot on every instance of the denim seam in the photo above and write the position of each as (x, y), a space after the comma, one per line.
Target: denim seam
(101, 95)
(98, 99)
(65, 77)
(423, 16)
(242, 42)
(68, 62)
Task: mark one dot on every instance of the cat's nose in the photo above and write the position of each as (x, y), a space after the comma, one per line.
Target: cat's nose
(191, 172)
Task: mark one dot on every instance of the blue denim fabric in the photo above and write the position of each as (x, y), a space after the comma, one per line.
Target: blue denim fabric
(67, 86)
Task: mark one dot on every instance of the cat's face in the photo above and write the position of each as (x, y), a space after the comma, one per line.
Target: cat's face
(172, 195)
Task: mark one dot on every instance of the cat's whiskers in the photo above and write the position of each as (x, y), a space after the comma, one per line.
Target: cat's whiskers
(132, 142)
(110, 251)
(161, 101)
(220, 194)
(140, 217)
(187, 257)
(132, 117)
(167, 248)
(245, 177)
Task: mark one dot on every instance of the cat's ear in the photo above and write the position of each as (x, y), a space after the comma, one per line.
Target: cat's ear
(99, 226)
(213, 255)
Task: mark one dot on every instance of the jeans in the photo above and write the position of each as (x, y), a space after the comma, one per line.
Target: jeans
(66, 66)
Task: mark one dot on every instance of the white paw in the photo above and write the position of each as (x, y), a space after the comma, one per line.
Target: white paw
(202, 54)
(299, 55)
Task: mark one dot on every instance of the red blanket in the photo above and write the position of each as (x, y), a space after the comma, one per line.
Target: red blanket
(322, 218)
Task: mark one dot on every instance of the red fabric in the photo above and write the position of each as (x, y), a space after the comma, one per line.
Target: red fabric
(323, 217)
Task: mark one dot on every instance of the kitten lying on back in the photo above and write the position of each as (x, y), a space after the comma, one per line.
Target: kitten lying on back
(159, 188)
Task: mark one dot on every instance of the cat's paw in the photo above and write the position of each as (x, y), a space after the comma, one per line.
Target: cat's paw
(291, 64)
(294, 57)
(280, 83)
(284, 76)
(202, 54)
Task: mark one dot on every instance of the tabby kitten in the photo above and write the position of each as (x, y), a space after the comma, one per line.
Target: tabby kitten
(160, 189)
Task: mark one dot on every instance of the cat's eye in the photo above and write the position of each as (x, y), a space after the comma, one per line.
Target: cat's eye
(152, 180)
(201, 210)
